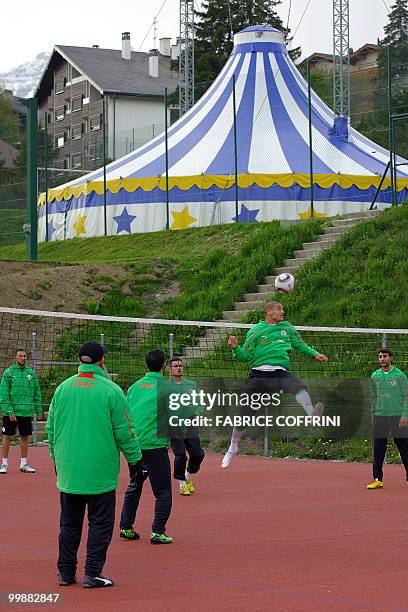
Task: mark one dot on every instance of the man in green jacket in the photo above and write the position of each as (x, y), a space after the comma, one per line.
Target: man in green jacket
(390, 414)
(147, 399)
(185, 441)
(88, 425)
(267, 350)
(20, 398)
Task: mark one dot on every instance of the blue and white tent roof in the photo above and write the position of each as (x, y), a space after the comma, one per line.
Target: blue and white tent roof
(272, 131)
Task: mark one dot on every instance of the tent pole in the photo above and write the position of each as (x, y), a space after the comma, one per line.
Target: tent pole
(309, 94)
(391, 125)
(46, 174)
(235, 146)
(105, 220)
(167, 159)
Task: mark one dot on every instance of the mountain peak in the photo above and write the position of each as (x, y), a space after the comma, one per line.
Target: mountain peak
(23, 79)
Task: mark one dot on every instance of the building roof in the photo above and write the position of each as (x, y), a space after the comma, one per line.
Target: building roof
(354, 55)
(110, 73)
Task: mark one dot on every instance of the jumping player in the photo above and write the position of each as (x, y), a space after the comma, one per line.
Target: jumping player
(266, 349)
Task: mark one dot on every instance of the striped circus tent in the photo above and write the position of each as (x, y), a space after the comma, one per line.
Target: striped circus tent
(267, 147)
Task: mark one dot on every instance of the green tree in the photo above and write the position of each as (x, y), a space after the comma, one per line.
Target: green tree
(9, 122)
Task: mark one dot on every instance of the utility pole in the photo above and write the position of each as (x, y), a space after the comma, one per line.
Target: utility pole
(341, 58)
(186, 58)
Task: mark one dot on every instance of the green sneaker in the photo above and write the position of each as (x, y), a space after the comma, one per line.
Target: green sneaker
(160, 538)
(129, 534)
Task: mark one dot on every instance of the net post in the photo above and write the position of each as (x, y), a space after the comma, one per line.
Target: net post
(266, 435)
(384, 341)
(171, 346)
(34, 363)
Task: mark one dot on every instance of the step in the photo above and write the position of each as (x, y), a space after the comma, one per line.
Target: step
(287, 270)
(307, 253)
(322, 245)
(255, 305)
(192, 352)
(234, 315)
(269, 280)
(364, 213)
(335, 230)
(348, 222)
(255, 297)
(332, 237)
(265, 289)
(293, 263)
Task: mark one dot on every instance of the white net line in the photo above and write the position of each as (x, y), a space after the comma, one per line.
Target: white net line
(176, 322)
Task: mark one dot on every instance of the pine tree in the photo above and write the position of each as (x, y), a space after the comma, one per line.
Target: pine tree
(215, 24)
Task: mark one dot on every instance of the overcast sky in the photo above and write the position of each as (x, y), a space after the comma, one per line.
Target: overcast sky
(29, 27)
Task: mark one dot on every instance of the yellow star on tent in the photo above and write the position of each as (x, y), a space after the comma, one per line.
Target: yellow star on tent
(308, 214)
(181, 220)
(79, 225)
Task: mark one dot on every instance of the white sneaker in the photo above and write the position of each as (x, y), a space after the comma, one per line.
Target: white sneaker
(28, 469)
(3, 468)
(229, 455)
(318, 409)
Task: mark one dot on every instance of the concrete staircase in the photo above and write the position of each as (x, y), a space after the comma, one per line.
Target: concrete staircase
(256, 300)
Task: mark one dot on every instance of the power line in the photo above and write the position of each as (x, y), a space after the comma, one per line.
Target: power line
(289, 11)
(385, 4)
(152, 24)
(301, 19)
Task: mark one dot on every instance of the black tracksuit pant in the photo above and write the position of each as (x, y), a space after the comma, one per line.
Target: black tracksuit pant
(181, 447)
(158, 471)
(101, 519)
(383, 426)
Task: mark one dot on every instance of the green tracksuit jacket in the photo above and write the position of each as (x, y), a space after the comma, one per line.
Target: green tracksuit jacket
(20, 392)
(148, 405)
(184, 412)
(389, 393)
(88, 424)
(267, 344)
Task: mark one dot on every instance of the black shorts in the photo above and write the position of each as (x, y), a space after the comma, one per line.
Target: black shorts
(273, 382)
(24, 424)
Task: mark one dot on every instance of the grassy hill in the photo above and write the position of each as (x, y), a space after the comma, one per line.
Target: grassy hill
(213, 266)
(362, 281)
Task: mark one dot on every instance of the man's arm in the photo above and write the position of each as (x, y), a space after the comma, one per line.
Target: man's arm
(123, 428)
(373, 394)
(49, 428)
(244, 353)
(403, 384)
(302, 347)
(5, 395)
(37, 396)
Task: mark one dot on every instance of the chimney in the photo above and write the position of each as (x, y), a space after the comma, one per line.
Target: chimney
(175, 49)
(126, 45)
(154, 63)
(164, 46)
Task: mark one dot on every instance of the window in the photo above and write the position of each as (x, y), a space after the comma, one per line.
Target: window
(49, 116)
(59, 113)
(59, 140)
(77, 160)
(76, 104)
(95, 123)
(60, 86)
(95, 151)
(77, 131)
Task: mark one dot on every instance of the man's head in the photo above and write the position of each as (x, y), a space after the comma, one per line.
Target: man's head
(21, 357)
(156, 361)
(176, 367)
(274, 312)
(91, 353)
(385, 358)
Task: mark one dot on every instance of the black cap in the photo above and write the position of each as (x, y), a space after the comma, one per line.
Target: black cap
(91, 352)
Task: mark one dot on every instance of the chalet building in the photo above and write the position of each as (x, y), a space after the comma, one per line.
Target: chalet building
(79, 82)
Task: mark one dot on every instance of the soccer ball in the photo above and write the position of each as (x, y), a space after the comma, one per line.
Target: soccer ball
(284, 283)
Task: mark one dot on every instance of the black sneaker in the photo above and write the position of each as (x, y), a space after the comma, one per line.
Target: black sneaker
(96, 582)
(129, 534)
(66, 580)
